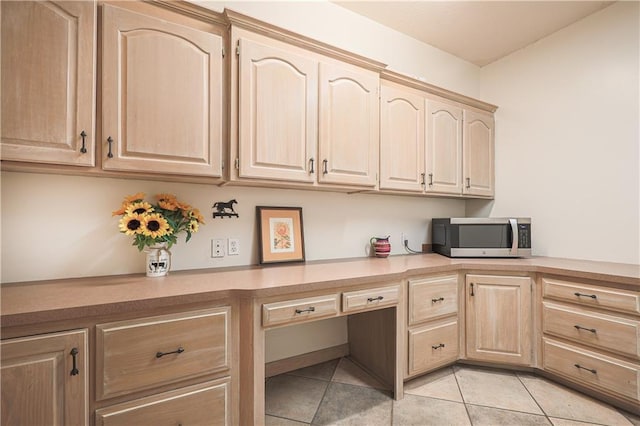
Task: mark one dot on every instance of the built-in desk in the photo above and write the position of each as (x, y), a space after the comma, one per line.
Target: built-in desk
(256, 298)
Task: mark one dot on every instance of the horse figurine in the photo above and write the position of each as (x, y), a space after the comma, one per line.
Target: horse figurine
(222, 209)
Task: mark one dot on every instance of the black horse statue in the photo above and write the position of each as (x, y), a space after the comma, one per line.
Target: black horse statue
(225, 209)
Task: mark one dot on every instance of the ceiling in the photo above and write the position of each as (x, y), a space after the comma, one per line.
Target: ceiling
(477, 31)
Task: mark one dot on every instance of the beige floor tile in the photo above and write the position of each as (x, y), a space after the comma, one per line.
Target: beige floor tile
(565, 422)
(323, 371)
(278, 421)
(488, 416)
(421, 411)
(493, 388)
(354, 405)
(440, 384)
(560, 402)
(349, 373)
(295, 398)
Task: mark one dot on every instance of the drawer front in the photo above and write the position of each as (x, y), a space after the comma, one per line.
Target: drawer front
(601, 331)
(204, 404)
(299, 310)
(432, 345)
(587, 295)
(140, 354)
(370, 298)
(432, 297)
(591, 368)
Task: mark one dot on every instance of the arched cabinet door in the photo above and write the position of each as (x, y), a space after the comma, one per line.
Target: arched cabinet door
(402, 159)
(444, 148)
(162, 95)
(349, 125)
(277, 113)
(48, 82)
(478, 154)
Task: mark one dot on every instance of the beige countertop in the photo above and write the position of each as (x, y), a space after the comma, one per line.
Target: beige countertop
(43, 301)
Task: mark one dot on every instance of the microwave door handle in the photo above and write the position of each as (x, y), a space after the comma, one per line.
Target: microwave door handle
(514, 236)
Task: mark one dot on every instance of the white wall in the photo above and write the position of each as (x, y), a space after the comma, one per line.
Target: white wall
(567, 137)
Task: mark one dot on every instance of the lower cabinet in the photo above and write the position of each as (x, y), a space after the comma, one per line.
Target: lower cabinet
(143, 354)
(499, 323)
(591, 336)
(433, 345)
(44, 379)
(203, 404)
(432, 339)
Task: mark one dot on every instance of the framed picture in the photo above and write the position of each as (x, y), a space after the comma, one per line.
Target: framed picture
(280, 235)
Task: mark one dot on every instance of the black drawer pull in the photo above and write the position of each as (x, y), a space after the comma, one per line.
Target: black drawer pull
(579, 327)
(472, 289)
(439, 299)
(441, 345)
(74, 354)
(593, 296)
(110, 142)
(83, 135)
(177, 351)
(309, 309)
(373, 299)
(591, 370)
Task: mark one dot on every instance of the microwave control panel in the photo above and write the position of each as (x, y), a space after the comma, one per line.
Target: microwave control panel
(524, 235)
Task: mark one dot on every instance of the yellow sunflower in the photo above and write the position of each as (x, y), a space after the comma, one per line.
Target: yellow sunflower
(195, 214)
(131, 224)
(167, 205)
(140, 207)
(193, 226)
(154, 226)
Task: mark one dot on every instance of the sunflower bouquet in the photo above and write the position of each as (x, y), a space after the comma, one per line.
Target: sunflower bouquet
(151, 224)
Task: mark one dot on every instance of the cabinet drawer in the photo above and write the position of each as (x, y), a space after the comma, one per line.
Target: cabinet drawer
(593, 329)
(591, 368)
(432, 345)
(299, 310)
(143, 353)
(370, 298)
(600, 297)
(206, 403)
(432, 297)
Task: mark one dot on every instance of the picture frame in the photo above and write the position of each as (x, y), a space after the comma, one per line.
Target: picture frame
(280, 234)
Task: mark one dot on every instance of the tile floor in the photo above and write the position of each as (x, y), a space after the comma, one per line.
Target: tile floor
(340, 393)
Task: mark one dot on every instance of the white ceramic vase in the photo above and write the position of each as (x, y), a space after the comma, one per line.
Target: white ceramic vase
(158, 260)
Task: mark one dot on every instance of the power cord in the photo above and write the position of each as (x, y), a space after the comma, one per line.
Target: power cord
(406, 247)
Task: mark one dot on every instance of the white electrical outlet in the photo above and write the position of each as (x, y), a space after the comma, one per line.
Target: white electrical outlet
(233, 246)
(217, 247)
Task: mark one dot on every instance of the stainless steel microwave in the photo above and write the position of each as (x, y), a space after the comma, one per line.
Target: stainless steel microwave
(482, 237)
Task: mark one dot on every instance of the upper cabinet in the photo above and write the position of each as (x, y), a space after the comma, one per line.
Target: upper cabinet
(277, 109)
(478, 157)
(434, 141)
(401, 138)
(348, 132)
(444, 148)
(278, 112)
(162, 95)
(48, 82)
(301, 112)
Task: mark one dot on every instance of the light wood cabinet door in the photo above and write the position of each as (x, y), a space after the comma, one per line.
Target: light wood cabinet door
(402, 143)
(431, 298)
(432, 345)
(478, 154)
(48, 81)
(162, 95)
(139, 354)
(277, 113)
(348, 125)
(499, 319)
(45, 380)
(203, 404)
(444, 148)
